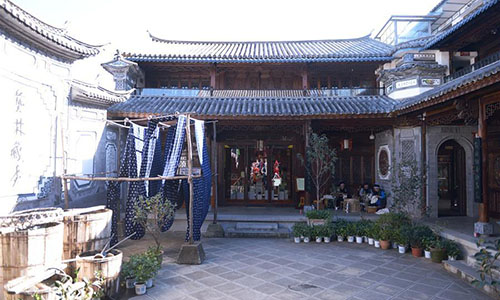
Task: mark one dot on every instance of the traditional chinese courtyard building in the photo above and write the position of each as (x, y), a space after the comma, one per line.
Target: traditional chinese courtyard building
(423, 89)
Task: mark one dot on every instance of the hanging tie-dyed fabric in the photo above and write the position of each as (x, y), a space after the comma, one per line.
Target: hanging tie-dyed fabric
(201, 186)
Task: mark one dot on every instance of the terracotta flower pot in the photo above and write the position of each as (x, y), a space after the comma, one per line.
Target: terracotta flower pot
(385, 244)
(417, 252)
(438, 255)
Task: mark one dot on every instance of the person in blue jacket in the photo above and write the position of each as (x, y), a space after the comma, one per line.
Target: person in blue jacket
(380, 194)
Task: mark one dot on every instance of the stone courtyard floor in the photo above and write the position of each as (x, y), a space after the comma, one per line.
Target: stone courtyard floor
(279, 269)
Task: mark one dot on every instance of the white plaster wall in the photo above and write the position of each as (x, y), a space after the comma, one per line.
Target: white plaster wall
(36, 112)
(408, 92)
(436, 136)
(385, 138)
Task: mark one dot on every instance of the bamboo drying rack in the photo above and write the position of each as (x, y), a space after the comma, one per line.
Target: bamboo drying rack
(189, 176)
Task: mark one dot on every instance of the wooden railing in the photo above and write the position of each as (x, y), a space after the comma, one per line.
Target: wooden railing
(482, 63)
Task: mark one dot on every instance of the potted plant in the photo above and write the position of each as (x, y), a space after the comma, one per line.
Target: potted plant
(318, 233)
(298, 231)
(141, 276)
(370, 231)
(452, 250)
(360, 231)
(402, 237)
(127, 273)
(154, 261)
(152, 213)
(307, 234)
(366, 225)
(438, 250)
(417, 239)
(319, 161)
(389, 224)
(427, 242)
(146, 265)
(317, 217)
(350, 232)
(385, 235)
(328, 232)
(376, 235)
(341, 230)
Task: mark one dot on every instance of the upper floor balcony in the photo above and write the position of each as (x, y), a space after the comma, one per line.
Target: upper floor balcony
(479, 64)
(333, 92)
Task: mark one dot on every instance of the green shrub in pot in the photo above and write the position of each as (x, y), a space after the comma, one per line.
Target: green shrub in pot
(452, 249)
(438, 250)
(298, 229)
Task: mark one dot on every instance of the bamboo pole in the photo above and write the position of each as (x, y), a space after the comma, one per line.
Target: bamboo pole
(65, 181)
(190, 177)
(128, 179)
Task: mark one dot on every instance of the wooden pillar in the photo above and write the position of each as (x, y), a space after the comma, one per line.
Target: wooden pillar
(190, 176)
(483, 207)
(423, 165)
(307, 132)
(329, 84)
(213, 72)
(214, 160)
(305, 80)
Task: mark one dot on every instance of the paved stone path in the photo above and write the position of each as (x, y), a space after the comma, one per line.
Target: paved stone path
(257, 269)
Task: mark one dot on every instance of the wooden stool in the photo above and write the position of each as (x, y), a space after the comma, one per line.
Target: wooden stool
(371, 209)
(353, 204)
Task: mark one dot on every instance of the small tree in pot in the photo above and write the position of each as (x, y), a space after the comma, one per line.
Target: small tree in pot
(319, 162)
(152, 213)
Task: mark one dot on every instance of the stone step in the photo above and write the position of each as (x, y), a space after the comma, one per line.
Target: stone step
(468, 274)
(256, 226)
(233, 232)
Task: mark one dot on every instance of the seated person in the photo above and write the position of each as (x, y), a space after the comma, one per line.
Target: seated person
(379, 198)
(342, 193)
(365, 190)
(364, 194)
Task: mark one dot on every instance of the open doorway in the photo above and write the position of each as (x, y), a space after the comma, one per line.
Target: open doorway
(451, 180)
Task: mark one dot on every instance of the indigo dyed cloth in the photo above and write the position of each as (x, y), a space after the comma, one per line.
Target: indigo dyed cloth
(201, 186)
(128, 167)
(157, 166)
(173, 149)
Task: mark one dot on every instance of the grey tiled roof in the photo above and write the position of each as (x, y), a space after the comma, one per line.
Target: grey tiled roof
(415, 43)
(439, 37)
(256, 107)
(344, 50)
(17, 21)
(93, 94)
(452, 85)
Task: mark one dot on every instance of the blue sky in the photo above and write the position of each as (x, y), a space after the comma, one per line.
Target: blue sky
(124, 22)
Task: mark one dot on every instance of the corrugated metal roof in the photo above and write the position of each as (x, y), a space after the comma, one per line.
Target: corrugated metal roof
(441, 36)
(256, 107)
(344, 50)
(16, 20)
